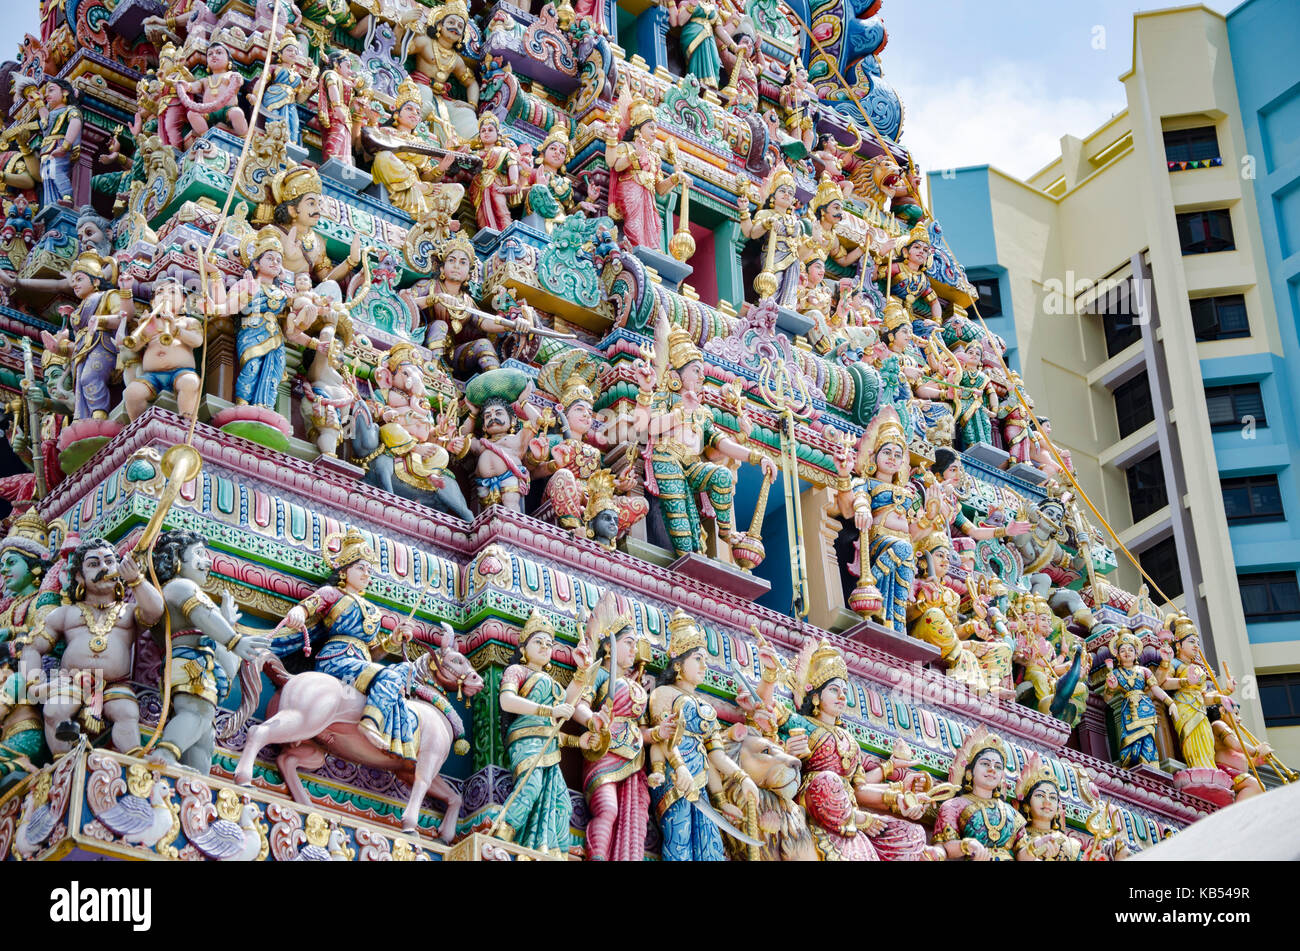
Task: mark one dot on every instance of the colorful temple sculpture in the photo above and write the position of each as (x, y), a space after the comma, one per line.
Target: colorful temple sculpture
(419, 403)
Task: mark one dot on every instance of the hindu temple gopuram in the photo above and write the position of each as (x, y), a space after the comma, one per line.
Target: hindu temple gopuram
(536, 432)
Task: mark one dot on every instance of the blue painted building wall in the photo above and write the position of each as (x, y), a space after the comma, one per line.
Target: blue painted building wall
(1262, 35)
(967, 223)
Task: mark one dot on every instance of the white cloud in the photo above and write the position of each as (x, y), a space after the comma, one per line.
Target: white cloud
(1004, 117)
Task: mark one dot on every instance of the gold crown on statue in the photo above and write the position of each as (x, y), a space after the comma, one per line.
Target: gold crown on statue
(254, 245)
(681, 348)
(600, 494)
(684, 634)
(407, 91)
(783, 177)
(536, 624)
(1180, 626)
(452, 8)
(96, 265)
(457, 242)
(828, 190)
(918, 233)
(556, 135)
(641, 112)
(827, 664)
(895, 314)
(576, 390)
(290, 184)
(1036, 771)
(1122, 638)
(29, 535)
(399, 354)
(888, 430)
(975, 744)
(933, 541)
(352, 548)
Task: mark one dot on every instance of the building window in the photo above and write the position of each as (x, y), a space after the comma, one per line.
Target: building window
(1133, 408)
(1253, 499)
(1191, 145)
(989, 297)
(1160, 561)
(1234, 406)
(1220, 318)
(1279, 695)
(1274, 596)
(1204, 232)
(1146, 487)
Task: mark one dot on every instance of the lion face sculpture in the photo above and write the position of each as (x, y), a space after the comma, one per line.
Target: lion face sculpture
(781, 820)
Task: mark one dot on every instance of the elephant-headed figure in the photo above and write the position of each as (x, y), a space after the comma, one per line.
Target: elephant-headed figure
(404, 446)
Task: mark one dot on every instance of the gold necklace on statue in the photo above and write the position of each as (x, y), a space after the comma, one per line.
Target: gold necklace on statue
(100, 626)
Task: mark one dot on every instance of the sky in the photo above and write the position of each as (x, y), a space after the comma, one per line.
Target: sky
(981, 83)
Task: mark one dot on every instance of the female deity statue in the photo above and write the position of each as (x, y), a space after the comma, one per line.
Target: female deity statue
(978, 824)
(613, 776)
(539, 813)
(411, 178)
(218, 95)
(906, 278)
(1060, 682)
(1234, 754)
(287, 88)
(550, 193)
(1129, 690)
(1180, 672)
(681, 429)
(974, 395)
(60, 125)
(497, 181)
(575, 455)
(882, 506)
(636, 180)
(24, 559)
(698, 20)
(1043, 837)
(262, 303)
(92, 325)
(948, 471)
(694, 751)
(933, 613)
(353, 637)
(334, 96)
(777, 219)
(843, 790)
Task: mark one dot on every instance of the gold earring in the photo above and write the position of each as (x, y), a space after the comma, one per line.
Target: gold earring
(80, 592)
(674, 383)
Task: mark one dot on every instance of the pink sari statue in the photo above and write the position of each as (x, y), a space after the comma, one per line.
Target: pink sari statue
(335, 98)
(636, 179)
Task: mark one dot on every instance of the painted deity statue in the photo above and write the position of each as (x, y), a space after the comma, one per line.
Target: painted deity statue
(91, 332)
(214, 99)
(1043, 837)
(421, 442)
(496, 183)
(1234, 753)
(353, 638)
(613, 774)
(287, 87)
(1060, 682)
(262, 303)
(882, 505)
(827, 212)
(1129, 689)
(843, 790)
(636, 179)
(60, 127)
(933, 613)
(403, 163)
(539, 813)
(698, 20)
(111, 603)
(462, 338)
(979, 824)
(24, 559)
(437, 62)
(694, 753)
(334, 96)
(297, 194)
(1182, 675)
(500, 476)
(166, 339)
(948, 470)
(550, 193)
(974, 393)
(776, 218)
(329, 390)
(206, 649)
(574, 456)
(681, 429)
(906, 278)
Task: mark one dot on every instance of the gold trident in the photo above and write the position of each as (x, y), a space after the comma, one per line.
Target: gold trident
(789, 398)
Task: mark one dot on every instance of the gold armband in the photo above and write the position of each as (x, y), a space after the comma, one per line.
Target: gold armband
(843, 483)
(770, 675)
(135, 582)
(755, 457)
(230, 644)
(643, 398)
(675, 758)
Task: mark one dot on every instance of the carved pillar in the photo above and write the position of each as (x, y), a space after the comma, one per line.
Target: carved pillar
(652, 37)
(284, 392)
(1091, 731)
(221, 360)
(825, 595)
(93, 140)
(727, 242)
